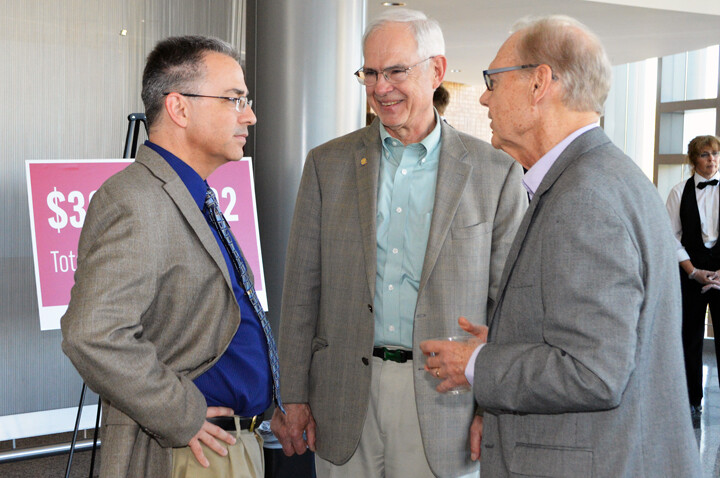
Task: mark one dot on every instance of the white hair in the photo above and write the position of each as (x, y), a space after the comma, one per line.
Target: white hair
(426, 31)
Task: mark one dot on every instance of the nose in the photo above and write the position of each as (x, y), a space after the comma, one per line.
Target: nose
(484, 98)
(247, 116)
(382, 86)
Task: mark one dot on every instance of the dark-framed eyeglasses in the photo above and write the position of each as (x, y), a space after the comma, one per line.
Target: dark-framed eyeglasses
(392, 74)
(241, 102)
(488, 73)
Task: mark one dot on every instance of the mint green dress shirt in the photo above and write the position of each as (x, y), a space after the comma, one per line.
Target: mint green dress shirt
(406, 196)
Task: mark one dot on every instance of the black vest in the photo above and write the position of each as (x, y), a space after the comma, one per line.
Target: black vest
(701, 256)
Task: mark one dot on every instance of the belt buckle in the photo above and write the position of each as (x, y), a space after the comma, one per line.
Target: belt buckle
(253, 423)
(394, 355)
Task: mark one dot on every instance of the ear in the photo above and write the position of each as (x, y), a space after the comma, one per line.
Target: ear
(439, 66)
(541, 82)
(176, 107)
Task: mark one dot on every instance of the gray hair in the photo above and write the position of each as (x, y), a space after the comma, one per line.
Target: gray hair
(427, 32)
(177, 64)
(575, 55)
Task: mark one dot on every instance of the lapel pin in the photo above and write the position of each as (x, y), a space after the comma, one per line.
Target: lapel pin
(363, 162)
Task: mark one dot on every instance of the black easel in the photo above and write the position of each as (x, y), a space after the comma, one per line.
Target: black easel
(131, 141)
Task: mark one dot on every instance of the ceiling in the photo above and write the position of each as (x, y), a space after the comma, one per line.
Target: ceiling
(475, 29)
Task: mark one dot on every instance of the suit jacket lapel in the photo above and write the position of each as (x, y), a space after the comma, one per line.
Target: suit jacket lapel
(179, 194)
(452, 177)
(583, 143)
(367, 169)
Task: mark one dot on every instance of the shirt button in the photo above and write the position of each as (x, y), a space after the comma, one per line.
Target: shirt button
(391, 287)
(395, 250)
(404, 171)
(398, 210)
(391, 328)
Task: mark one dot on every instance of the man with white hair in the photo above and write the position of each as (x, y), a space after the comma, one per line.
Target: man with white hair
(582, 373)
(399, 229)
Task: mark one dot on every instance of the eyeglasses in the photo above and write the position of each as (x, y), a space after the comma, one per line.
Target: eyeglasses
(707, 154)
(487, 73)
(392, 74)
(240, 101)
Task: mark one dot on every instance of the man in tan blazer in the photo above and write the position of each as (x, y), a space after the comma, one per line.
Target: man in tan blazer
(582, 374)
(161, 322)
(399, 228)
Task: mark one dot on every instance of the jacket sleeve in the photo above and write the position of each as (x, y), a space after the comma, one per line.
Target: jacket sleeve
(510, 211)
(301, 290)
(117, 280)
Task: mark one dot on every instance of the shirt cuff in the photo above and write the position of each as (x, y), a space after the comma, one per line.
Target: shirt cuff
(470, 367)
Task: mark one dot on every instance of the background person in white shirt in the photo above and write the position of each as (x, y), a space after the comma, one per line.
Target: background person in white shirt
(695, 223)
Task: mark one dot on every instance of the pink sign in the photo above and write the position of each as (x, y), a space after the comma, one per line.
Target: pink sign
(59, 193)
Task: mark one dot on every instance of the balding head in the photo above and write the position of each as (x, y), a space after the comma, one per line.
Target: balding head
(575, 55)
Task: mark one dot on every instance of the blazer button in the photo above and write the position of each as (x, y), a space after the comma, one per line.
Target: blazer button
(370, 308)
(365, 360)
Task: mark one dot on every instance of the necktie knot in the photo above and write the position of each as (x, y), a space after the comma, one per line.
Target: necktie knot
(704, 184)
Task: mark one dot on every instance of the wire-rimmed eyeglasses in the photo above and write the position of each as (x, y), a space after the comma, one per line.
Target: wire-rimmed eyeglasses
(707, 154)
(241, 102)
(393, 74)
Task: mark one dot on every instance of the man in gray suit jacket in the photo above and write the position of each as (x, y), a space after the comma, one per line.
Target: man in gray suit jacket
(399, 228)
(582, 373)
(161, 323)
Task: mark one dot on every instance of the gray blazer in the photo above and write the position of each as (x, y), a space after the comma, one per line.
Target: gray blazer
(583, 373)
(327, 323)
(151, 309)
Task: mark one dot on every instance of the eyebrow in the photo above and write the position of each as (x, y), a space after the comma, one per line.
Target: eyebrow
(397, 65)
(237, 91)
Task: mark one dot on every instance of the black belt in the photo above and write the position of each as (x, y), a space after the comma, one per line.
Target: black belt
(228, 423)
(395, 355)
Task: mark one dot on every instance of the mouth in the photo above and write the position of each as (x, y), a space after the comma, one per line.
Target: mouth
(388, 103)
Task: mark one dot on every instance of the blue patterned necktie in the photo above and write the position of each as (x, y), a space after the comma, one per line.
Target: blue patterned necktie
(221, 226)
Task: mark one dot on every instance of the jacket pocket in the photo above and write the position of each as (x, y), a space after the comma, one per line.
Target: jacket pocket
(546, 461)
(471, 231)
(318, 343)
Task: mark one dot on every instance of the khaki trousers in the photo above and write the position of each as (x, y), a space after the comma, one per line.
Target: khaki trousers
(390, 444)
(244, 459)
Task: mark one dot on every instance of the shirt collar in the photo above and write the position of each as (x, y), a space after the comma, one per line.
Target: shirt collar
(534, 176)
(699, 179)
(192, 180)
(428, 144)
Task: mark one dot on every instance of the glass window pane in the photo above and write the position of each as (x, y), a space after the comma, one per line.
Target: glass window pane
(671, 133)
(697, 122)
(702, 74)
(678, 128)
(669, 175)
(690, 76)
(673, 78)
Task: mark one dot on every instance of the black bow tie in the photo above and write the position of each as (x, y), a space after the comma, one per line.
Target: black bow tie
(707, 183)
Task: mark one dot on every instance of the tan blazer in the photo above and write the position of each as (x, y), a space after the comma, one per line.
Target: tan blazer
(151, 309)
(327, 323)
(583, 374)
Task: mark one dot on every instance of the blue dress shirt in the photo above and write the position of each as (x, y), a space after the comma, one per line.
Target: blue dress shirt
(406, 197)
(241, 379)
